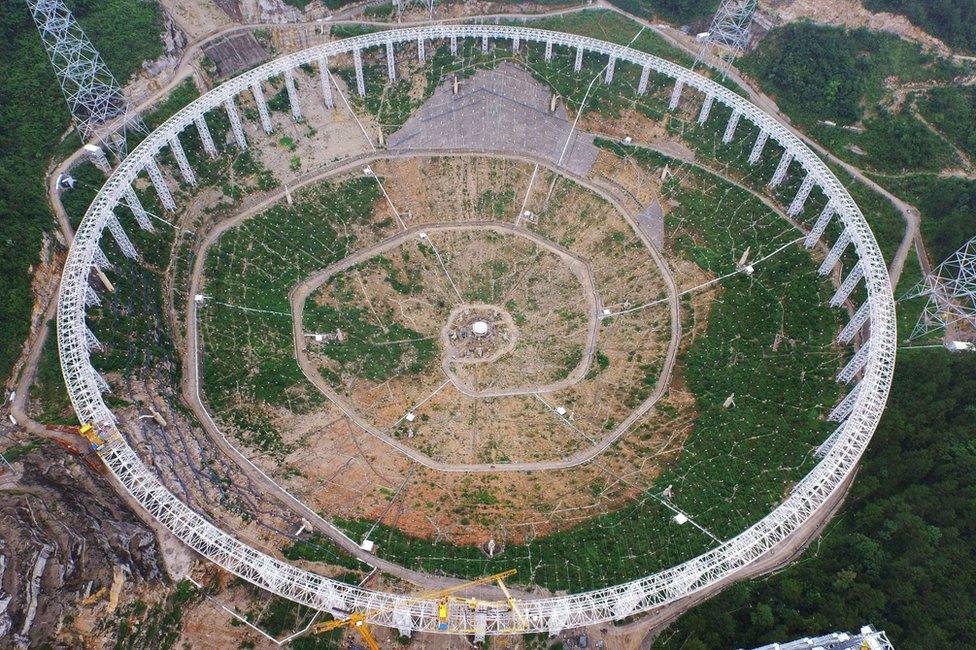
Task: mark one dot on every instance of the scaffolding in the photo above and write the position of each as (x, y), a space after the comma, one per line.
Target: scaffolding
(728, 35)
(951, 293)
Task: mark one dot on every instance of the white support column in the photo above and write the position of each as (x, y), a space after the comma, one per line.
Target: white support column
(205, 137)
(422, 50)
(730, 127)
(516, 42)
(781, 169)
(326, 82)
(390, 62)
(608, 75)
(92, 340)
(132, 200)
(831, 440)
(820, 226)
(847, 286)
(118, 233)
(548, 51)
(296, 107)
(855, 324)
(159, 183)
(454, 46)
(796, 206)
(235, 123)
(102, 384)
(845, 406)
(856, 364)
(579, 59)
(357, 59)
(834, 253)
(757, 148)
(100, 260)
(705, 109)
(484, 44)
(642, 84)
(97, 157)
(262, 106)
(676, 94)
(185, 170)
(91, 297)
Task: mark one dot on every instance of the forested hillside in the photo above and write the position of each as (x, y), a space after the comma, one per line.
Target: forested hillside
(35, 118)
(902, 553)
(954, 21)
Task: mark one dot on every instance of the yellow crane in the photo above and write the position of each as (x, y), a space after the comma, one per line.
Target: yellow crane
(443, 596)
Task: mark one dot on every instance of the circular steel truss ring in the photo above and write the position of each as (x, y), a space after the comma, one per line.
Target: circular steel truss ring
(541, 615)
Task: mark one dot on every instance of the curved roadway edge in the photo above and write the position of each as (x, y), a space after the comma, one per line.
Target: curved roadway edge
(548, 614)
(191, 380)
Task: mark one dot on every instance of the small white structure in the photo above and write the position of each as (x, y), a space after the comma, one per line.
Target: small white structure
(960, 346)
(561, 410)
(198, 297)
(479, 327)
(367, 545)
(680, 518)
(410, 417)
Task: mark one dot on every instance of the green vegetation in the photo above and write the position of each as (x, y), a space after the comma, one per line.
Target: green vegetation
(157, 627)
(316, 548)
(953, 21)
(820, 72)
(952, 110)
(900, 555)
(675, 11)
(35, 117)
(49, 397)
(15, 453)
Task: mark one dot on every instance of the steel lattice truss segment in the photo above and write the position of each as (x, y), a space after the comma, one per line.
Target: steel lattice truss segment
(728, 34)
(543, 615)
(951, 292)
(91, 91)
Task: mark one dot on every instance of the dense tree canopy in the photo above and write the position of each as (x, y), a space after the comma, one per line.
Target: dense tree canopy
(900, 555)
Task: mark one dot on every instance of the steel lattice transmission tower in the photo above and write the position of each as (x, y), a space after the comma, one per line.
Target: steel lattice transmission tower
(729, 33)
(94, 96)
(951, 290)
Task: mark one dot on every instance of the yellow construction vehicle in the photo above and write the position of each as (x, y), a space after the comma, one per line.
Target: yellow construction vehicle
(88, 432)
(444, 597)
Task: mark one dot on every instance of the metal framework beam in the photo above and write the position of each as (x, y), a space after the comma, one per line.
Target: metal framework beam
(715, 566)
(705, 109)
(820, 226)
(391, 62)
(781, 169)
(99, 259)
(796, 205)
(757, 148)
(296, 106)
(421, 50)
(98, 158)
(159, 184)
(644, 78)
(731, 126)
(357, 59)
(847, 286)
(833, 255)
(548, 51)
(845, 406)
(235, 122)
(831, 440)
(578, 64)
(118, 234)
(184, 165)
(208, 144)
(676, 94)
(608, 74)
(262, 105)
(856, 364)
(326, 78)
(855, 324)
(139, 212)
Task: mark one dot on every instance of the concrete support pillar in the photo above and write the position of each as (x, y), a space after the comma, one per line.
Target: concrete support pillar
(845, 406)
(835, 252)
(262, 106)
(855, 324)
(644, 78)
(296, 107)
(757, 148)
(185, 170)
(97, 157)
(118, 234)
(548, 51)
(856, 364)
(132, 200)
(454, 46)
(390, 62)
(205, 137)
(676, 94)
(326, 82)
(578, 65)
(91, 297)
(484, 44)
(608, 75)
(91, 339)
(357, 59)
(730, 127)
(705, 109)
(847, 286)
(422, 50)
(796, 206)
(831, 440)
(781, 169)
(820, 226)
(159, 184)
(100, 260)
(235, 122)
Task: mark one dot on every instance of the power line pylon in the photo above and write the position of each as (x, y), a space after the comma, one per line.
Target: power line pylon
(94, 96)
(951, 292)
(729, 33)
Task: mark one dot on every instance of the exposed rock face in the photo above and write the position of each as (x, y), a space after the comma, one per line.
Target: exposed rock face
(70, 549)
